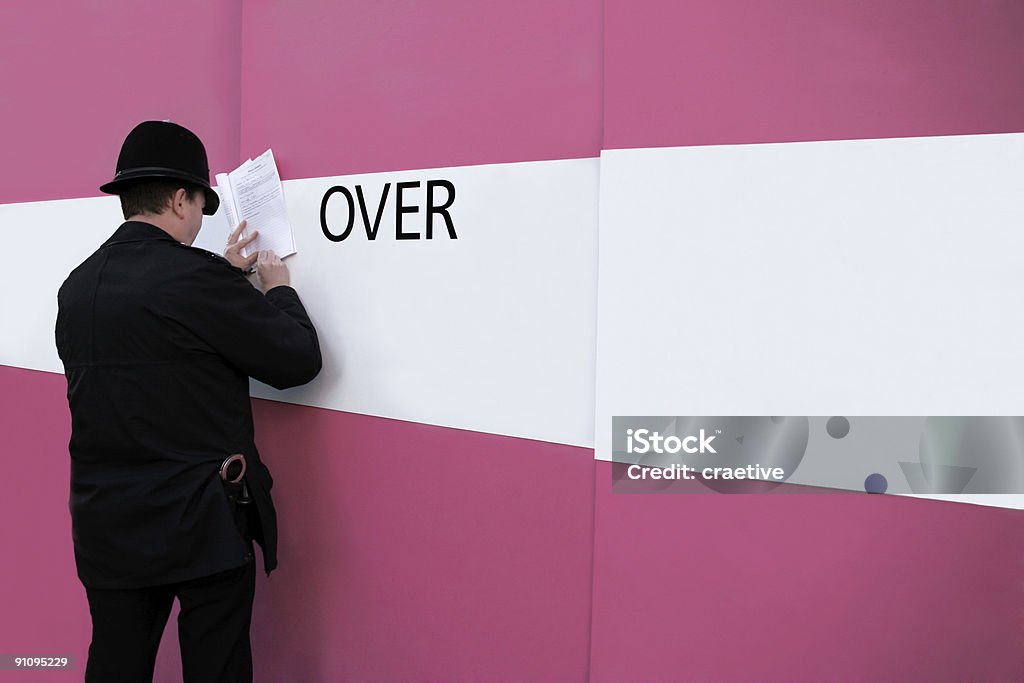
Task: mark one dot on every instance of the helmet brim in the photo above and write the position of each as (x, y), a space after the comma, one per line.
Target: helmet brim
(121, 180)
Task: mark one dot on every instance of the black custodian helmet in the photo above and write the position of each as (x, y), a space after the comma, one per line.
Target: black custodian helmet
(161, 149)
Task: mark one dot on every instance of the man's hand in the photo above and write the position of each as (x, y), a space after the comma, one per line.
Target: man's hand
(233, 250)
(272, 270)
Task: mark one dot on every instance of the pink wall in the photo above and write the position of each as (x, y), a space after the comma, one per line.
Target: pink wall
(77, 76)
(364, 87)
(441, 553)
(806, 587)
(420, 553)
(424, 553)
(735, 71)
(44, 606)
(408, 552)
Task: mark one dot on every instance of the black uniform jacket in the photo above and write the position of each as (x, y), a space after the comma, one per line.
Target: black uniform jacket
(158, 341)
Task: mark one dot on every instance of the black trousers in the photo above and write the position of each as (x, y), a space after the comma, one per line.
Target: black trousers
(213, 629)
(213, 626)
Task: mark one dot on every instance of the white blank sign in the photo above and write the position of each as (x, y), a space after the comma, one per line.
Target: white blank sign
(860, 277)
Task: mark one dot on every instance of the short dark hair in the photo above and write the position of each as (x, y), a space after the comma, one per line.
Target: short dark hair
(153, 195)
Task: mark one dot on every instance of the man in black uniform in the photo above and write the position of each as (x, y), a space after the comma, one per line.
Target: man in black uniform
(158, 341)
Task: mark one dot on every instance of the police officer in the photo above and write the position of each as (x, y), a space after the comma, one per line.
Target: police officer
(158, 340)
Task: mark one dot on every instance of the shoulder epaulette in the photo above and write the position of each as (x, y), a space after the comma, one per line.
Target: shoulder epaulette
(213, 256)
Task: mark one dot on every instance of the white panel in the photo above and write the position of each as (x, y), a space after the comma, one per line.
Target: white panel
(44, 241)
(491, 332)
(862, 277)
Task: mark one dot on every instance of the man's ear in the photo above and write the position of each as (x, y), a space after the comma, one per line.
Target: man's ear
(178, 201)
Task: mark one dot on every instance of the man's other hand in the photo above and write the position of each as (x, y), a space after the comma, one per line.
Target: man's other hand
(233, 250)
(272, 270)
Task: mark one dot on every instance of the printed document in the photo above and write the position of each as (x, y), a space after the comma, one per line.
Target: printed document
(253, 192)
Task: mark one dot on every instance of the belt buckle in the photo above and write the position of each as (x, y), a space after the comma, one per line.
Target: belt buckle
(228, 461)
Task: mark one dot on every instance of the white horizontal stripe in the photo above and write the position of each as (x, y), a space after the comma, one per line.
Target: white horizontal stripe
(44, 241)
(866, 277)
(491, 332)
